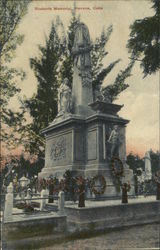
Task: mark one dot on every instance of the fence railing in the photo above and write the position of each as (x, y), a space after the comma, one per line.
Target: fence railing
(10, 201)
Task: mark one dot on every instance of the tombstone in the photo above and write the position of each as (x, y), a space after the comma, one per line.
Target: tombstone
(29, 196)
(61, 202)
(76, 139)
(43, 201)
(8, 203)
(17, 197)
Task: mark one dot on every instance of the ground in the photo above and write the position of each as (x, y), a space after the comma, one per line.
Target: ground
(137, 237)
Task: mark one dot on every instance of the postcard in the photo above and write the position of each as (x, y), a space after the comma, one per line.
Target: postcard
(80, 124)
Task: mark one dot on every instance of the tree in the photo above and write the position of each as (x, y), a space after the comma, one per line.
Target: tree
(144, 41)
(11, 13)
(42, 106)
(18, 166)
(155, 161)
(135, 162)
(66, 70)
(119, 84)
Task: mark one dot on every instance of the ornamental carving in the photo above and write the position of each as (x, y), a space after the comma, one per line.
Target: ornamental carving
(58, 150)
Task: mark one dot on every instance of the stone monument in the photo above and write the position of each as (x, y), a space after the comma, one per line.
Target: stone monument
(87, 130)
(148, 168)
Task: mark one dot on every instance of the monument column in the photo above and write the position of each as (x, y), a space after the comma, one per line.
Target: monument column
(82, 93)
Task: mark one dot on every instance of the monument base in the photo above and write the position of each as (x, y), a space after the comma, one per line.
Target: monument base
(78, 142)
(100, 217)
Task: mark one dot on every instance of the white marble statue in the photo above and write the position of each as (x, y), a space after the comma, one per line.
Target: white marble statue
(148, 168)
(64, 98)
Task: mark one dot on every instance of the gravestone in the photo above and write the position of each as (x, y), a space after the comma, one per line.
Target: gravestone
(43, 200)
(28, 197)
(77, 139)
(8, 203)
(61, 202)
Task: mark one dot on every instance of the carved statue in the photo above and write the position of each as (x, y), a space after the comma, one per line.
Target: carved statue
(81, 47)
(105, 95)
(114, 140)
(97, 93)
(64, 98)
(101, 94)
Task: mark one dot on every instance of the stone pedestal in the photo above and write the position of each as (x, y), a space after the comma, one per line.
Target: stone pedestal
(79, 144)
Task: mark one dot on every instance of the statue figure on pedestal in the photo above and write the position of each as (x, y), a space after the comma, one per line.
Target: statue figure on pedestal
(101, 94)
(64, 98)
(114, 140)
(81, 48)
(105, 95)
(97, 96)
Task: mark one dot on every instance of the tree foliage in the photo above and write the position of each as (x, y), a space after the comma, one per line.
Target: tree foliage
(11, 13)
(42, 106)
(66, 70)
(155, 161)
(19, 166)
(135, 162)
(144, 41)
(119, 84)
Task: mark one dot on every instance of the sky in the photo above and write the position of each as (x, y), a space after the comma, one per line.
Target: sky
(141, 99)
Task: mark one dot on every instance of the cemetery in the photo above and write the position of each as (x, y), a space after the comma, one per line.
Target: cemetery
(86, 184)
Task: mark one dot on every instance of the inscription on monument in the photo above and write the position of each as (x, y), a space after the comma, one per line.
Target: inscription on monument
(92, 145)
(58, 149)
(79, 142)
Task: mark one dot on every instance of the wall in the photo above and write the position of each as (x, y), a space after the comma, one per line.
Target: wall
(99, 218)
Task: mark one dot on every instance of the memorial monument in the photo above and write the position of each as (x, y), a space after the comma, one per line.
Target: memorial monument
(87, 131)
(148, 168)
